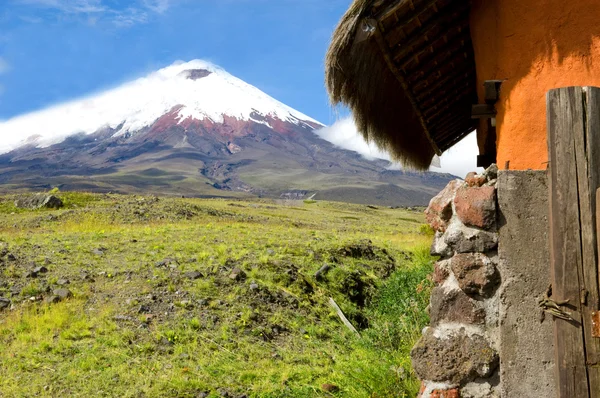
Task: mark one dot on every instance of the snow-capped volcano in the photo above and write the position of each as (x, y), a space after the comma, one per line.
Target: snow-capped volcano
(193, 129)
(195, 91)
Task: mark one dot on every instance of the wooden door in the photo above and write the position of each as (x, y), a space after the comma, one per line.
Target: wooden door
(574, 163)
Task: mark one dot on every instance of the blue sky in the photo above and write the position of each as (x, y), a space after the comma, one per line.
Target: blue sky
(55, 50)
(52, 51)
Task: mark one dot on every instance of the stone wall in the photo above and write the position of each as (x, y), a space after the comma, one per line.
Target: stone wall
(458, 354)
(488, 337)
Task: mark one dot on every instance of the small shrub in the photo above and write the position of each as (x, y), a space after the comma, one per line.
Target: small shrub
(425, 229)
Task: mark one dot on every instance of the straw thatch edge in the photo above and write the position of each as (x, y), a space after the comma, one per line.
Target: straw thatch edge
(357, 75)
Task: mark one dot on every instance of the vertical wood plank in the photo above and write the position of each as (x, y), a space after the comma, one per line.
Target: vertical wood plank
(565, 116)
(593, 155)
(587, 149)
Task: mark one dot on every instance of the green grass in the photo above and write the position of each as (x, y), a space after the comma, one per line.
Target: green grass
(137, 326)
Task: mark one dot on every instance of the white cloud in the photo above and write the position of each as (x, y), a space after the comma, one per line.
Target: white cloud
(138, 12)
(158, 6)
(69, 6)
(343, 134)
(129, 17)
(458, 160)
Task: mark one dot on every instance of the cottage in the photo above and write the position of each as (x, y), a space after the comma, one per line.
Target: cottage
(516, 309)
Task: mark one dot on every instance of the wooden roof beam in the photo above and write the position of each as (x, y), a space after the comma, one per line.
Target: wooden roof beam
(433, 117)
(451, 118)
(462, 133)
(419, 9)
(408, 43)
(424, 88)
(445, 125)
(450, 92)
(447, 84)
(456, 50)
(447, 129)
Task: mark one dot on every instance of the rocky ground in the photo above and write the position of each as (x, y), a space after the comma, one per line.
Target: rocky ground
(111, 295)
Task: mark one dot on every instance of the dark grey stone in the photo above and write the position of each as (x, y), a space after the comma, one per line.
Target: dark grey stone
(39, 201)
(322, 272)
(63, 293)
(4, 303)
(193, 275)
(439, 247)
(476, 273)
(31, 274)
(99, 251)
(454, 306)
(456, 358)
(40, 270)
(491, 173)
(144, 309)
(237, 274)
(470, 240)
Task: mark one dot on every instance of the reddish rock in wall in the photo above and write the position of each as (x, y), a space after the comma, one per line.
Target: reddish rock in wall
(476, 206)
(439, 212)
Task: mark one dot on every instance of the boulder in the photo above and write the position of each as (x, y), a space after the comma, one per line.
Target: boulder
(38, 201)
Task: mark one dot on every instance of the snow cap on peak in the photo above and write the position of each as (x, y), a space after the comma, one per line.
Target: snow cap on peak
(201, 90)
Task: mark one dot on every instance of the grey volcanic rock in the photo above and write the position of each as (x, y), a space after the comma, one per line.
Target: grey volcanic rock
(4, 303)
(475, 272)
(193, 275)
(63, 293)
(454, 306)
(456, 358)
(39, 201)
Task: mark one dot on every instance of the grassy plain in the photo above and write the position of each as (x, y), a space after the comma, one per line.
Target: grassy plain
(160, 309)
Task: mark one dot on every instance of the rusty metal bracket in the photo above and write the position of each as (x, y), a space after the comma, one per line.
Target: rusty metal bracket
(596, 324)
(552, 307)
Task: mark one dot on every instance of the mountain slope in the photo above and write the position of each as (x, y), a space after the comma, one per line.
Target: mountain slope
(193, 129)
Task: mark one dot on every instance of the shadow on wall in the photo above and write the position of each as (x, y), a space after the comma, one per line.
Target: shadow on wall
(536, 45)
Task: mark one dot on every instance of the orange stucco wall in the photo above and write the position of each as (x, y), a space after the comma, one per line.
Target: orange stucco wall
(536, 45)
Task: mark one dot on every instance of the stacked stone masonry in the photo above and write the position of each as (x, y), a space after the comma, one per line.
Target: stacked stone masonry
(457, 356)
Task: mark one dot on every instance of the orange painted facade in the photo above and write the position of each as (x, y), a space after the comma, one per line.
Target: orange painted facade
(536, 45)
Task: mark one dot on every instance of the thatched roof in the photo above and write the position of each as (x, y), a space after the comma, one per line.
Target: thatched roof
(406, 70)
